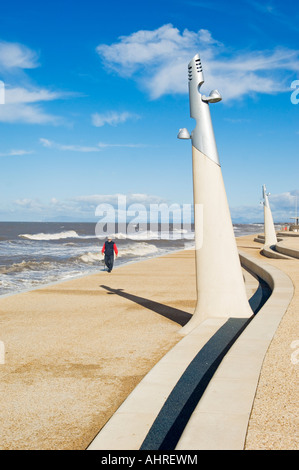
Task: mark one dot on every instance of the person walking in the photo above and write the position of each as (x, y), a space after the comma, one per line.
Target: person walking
(109, 248)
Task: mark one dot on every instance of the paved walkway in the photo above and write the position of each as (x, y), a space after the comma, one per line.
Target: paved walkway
(274, 422)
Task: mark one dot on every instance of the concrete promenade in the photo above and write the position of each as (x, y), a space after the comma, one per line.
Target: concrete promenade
(76, 350)
(274, 421)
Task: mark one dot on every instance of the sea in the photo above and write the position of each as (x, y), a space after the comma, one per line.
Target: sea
(35, 254)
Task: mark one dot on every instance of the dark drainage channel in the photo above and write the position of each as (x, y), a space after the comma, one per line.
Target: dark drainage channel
(260, 296)
(180, 404)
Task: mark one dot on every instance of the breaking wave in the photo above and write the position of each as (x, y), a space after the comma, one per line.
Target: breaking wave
(142, 249)
(25, 266)
(176, 234)
(50, 236)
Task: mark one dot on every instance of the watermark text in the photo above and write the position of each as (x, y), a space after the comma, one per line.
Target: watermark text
(2, 353)
(295, 94)
(295, 354)
(158, 220)
(2, 92)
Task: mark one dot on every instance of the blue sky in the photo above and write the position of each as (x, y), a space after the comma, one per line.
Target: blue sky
(95, 93)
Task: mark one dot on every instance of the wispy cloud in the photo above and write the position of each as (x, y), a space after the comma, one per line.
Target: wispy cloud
(25, 105)
(283, 208)
(265, 7)
(74, 148)
(23, 102)
(83, 148)
(24, 113)
(279, 12)
(113, 118)
(19, 95)
(114, 199)
(12, 153)
(83, 206)
(30, 204)
(157, 60)
(285, 201)
(16, 56)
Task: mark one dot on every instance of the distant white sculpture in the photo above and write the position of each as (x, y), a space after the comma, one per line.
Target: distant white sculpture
(269, 229)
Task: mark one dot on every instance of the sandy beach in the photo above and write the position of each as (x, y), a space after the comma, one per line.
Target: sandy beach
(76, 349)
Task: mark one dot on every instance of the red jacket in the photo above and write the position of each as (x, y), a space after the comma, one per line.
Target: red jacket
(114, 248)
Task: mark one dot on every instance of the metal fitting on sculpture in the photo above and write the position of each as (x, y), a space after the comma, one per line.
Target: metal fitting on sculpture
(203, 135)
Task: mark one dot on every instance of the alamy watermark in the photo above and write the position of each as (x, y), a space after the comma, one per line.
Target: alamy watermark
(161, 220)
(295, 94)
(2, 353)
(295, 354)
(2, 92)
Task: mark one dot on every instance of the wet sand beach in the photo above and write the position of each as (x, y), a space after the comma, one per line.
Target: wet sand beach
(76, 349)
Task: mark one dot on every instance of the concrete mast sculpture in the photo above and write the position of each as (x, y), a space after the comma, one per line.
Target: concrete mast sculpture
(219, 280)
(270, 234)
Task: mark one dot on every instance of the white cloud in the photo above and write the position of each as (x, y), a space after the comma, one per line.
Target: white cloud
(16, 56)
(24, 103)
(112, 118)
(46, 142)
(158, 61)
(19, 112)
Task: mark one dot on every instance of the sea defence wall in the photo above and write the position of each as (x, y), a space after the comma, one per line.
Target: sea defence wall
(214, 411)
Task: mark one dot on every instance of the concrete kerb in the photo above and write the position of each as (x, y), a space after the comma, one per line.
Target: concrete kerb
(288, 234)
(286, 250)
(221, 417)
(273, 252)
(261, 238)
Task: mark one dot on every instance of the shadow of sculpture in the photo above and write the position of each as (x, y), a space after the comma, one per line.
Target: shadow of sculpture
(173, 314)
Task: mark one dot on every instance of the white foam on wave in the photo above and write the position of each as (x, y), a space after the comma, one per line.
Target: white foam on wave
(142, 249)
(50, 236)
(176, 234)
(91, 257)
(25, 266)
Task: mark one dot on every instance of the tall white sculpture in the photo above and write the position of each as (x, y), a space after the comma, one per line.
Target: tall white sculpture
(269, 229)
(219, 280)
